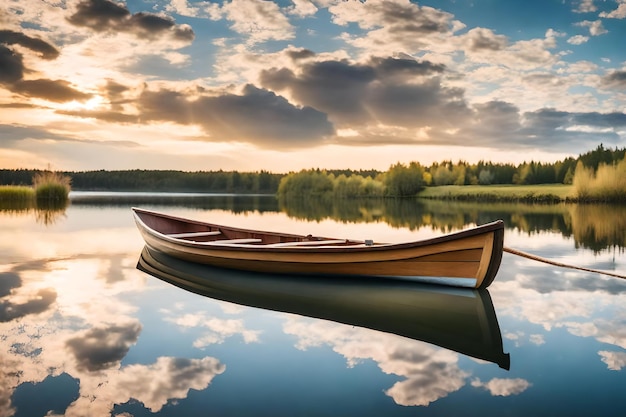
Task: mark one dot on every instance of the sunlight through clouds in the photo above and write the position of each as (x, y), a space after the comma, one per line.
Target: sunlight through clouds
(265, 77)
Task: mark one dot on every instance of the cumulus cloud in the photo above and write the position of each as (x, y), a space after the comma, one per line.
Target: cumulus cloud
(8, 281)
(9, 379)
(570, 127)
(153, 385)
(385, 90)
(14, 70)
(585, 6)
(401, 15)
(13, 306)
(618, 13)
(106, 15)
(537, 339)
(43, 48)
(614, 360)
(493, 51)
(297, 54)
(303, 8)
(334, 87)
(394, 25)
(605, 331)
(595, 27)
(503, 387)
(12, 65)
(406, 74)
(429, 373)
(427, 381)
(198, 9)
(256, 115)
(534, 53)
(576, 283)
(600, 120)
(12, 61)
(405, 68)
(103, 347)
(218, 329)
(409, 94)
(40, 302)
(174, 378)
(615, 79)
(478, 39)
(53, 90)
(493, 117)
(578, 40)
(259, 21)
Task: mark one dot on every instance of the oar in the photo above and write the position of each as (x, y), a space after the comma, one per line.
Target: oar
(548, 261)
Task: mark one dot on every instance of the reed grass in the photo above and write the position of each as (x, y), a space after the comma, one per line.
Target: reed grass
(607, 184)
(51, 186)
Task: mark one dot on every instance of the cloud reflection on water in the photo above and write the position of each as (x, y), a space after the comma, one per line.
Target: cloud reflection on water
(429, 372)
(614, 360)
(153, 385)
(100, 348)
(91, 270)
(80, 306)
(503, 387)
(584, 304)
(217, 329)
(15, 302)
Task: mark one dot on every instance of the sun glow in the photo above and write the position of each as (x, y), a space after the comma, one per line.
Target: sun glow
(91, 104)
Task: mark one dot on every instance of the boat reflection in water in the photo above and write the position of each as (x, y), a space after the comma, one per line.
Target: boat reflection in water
(459, 319)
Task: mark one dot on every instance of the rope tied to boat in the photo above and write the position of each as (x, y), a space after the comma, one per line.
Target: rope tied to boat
(559, 264)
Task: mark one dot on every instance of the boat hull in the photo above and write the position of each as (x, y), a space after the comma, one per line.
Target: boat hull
(473, 255)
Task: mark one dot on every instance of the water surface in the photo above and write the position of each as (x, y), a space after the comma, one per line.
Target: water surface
(85, 332)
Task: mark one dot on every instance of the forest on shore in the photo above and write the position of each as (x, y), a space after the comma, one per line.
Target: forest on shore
(595, 174)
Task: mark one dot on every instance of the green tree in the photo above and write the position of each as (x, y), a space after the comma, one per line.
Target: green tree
(306, 183)
(404, 181)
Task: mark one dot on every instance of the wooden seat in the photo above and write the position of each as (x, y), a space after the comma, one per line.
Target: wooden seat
(195, 234)
(305, 243)
(226, 242)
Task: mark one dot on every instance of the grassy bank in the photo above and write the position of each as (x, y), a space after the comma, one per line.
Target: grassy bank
(16, 193)
(544, 193)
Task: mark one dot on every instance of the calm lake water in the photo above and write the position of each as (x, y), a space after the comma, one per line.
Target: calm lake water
(84, 332)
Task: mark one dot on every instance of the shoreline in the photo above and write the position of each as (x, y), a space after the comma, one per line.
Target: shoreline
(528, 194)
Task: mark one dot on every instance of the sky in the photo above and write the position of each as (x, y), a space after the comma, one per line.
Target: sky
(286, 85)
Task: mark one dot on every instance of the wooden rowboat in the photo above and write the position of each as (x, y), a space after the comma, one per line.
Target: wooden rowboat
(469, 257)
(458, 319)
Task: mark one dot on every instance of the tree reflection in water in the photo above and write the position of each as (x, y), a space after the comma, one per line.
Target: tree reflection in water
(593, 226)
(47, 212)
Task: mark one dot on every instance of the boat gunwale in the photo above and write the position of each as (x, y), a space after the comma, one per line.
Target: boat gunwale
(496, 227)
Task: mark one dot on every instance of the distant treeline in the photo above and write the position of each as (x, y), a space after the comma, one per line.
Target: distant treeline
(398, 181)
(151, 180)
